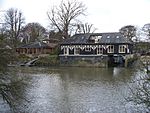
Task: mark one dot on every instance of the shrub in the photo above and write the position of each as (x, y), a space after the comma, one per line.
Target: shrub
(51, 60)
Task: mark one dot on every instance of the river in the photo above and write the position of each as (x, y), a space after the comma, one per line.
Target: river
(74, 90)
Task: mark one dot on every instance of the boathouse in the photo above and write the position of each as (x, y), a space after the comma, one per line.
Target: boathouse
(95, 48)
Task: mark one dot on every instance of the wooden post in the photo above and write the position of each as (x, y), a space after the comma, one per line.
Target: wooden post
(126, 62)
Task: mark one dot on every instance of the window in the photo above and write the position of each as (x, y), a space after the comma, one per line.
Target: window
(95, 38)
(99, 50)
(117, 36)
(76, 51)
(122, 48)
(87, 49)
(110, 49)
(108, 36)
(66, 52)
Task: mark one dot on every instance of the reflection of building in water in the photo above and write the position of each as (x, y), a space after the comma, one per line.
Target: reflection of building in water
(116, 72)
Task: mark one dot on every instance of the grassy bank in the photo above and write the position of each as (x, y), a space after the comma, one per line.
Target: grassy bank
(50, 60)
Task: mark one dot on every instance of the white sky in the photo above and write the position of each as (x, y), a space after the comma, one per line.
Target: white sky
(106, 15)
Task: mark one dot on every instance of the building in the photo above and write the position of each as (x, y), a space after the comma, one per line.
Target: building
(95, 47)
(36, 48)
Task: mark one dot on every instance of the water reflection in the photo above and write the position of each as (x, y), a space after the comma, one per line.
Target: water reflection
(94, 90)
(76, 90)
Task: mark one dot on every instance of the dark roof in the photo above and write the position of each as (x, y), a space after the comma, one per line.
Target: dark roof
(77, 38)
(51, 39)
(37, 45)
(114, 37)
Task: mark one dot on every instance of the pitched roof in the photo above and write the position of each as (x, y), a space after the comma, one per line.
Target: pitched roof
(37, 45)
(114, 37)
(77, 38)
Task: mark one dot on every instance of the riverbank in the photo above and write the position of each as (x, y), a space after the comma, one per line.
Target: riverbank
(53, 60)
(50, 60)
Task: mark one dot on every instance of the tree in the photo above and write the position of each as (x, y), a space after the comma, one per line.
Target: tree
(9, 82)
(32, 32)
(85, 28)
(63, 16)
(146, 29)
(5, 57)
(14, 21)
(140, 93)
(128, 31)
(55, 35)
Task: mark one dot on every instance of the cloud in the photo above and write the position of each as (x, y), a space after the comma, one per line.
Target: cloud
(106, 15)
(111, 15)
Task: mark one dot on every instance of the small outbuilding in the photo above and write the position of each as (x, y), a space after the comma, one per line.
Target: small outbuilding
(36, 48)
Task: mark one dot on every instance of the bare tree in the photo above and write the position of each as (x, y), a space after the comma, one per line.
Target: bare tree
(13, 21)
(128, 31)
(146, 29)
(63, 16)
(33, 31)
(85, 28)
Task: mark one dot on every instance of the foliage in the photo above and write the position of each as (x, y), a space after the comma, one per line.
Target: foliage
(140, 93)
(22, 58)
(8, 81)
(51, 60)
(142, 47)
(145, 61)
(55, 35)
(64, 16)
(146, 29)
(9, 89)
(5, 55)
(4, 86)
(55, 51)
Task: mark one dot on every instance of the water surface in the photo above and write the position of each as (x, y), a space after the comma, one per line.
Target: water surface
(74, 90)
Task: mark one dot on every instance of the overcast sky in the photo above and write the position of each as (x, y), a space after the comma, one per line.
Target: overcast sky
(106, 15)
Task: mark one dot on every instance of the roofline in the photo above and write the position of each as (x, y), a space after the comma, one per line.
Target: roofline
(97, 33)
(93, 43)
